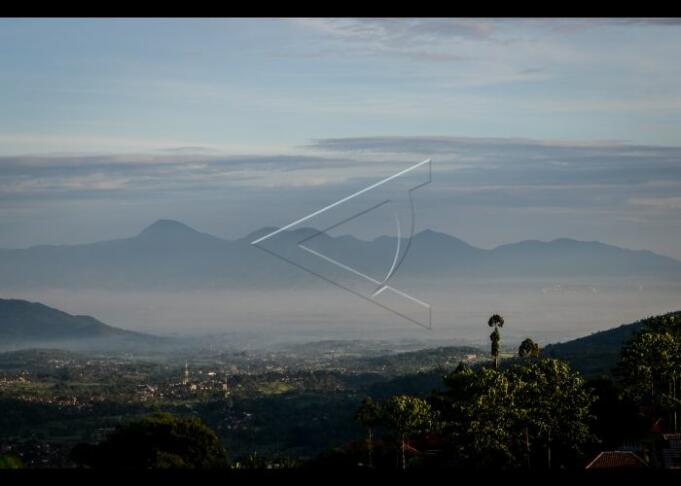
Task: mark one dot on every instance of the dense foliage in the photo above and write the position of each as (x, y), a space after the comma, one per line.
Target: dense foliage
(528, 348)
(535, 415)
(516, 416)
(537, 412)
(650, 368)
(159, 441)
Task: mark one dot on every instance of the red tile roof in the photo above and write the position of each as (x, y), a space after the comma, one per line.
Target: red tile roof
(617, 460)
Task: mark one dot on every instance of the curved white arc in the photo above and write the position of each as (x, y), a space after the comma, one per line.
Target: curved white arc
(397, 251)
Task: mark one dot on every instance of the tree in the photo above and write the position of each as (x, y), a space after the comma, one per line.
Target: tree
(408, 416)
(555, 407)
(650, 369)
(369, 415)
(160, 441)
(496, 321)
(528, 348)
(503, 418)
(455, 406)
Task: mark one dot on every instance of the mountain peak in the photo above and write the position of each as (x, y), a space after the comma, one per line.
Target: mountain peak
(168, 233)
(167, 227)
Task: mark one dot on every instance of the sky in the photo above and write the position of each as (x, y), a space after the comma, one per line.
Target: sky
(537, 129)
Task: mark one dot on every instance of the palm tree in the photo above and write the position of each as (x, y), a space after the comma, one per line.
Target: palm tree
(496, 321)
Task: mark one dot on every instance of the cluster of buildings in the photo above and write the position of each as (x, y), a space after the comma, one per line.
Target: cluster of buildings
(185, 387)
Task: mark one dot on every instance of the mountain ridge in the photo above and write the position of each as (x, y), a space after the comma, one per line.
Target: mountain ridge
(173, 227)
(170, 254)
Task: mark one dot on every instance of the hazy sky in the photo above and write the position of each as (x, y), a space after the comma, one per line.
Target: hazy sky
(537, 128)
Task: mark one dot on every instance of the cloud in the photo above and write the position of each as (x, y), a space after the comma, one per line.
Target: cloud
(491, 172)
(667, 22)
(87, 176)
(191, 150)
(390, 31)
(486, 149)
(657, 202)
(415, 39)
(499, 172)
(541, 186)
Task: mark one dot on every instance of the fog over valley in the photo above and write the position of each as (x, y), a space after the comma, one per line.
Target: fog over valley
(171, 280)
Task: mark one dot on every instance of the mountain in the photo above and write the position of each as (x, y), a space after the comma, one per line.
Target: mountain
(598, 353)
(24, 324)
(171, 255)
(571, 257)
(168, 233)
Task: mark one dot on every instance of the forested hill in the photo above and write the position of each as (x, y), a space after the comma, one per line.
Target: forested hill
(24, 324)
(598, 353)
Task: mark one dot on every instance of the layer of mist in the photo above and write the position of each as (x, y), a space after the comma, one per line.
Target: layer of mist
(547, 310)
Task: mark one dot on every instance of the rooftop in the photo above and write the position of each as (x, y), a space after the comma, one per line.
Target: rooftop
(617, 460)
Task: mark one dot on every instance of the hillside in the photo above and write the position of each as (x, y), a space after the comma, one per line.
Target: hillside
(24, 324)
(598, 353)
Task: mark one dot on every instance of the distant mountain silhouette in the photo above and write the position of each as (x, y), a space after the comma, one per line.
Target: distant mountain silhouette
(166, 232)
(24, 323)
(171, 255)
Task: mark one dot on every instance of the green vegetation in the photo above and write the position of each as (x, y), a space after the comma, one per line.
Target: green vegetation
(10, 462)
(528, 348)
(535, 415)
(538, 413)
(160, 441)
(597, 355)
(650, 367)
(309, 405)
(407, 416)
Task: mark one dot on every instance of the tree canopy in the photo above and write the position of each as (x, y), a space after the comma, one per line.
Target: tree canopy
(528, 348)
(650, 367)
(507, 418)
(160, 441)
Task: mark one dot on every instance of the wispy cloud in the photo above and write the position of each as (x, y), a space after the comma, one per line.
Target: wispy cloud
(26, 176)
(391, 31)
(672, 203)
(465, 165)
(572, 183)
